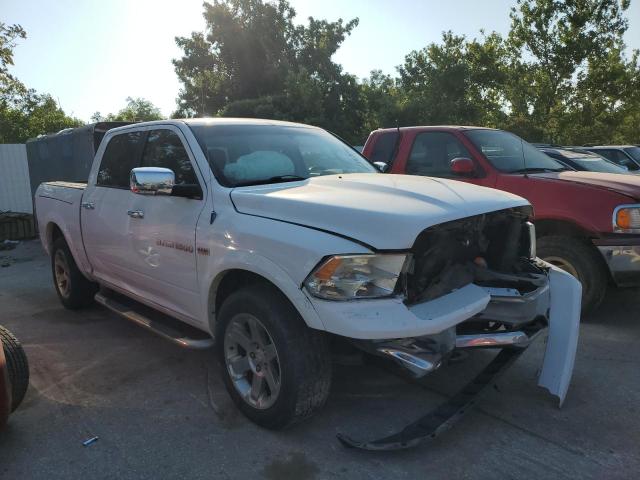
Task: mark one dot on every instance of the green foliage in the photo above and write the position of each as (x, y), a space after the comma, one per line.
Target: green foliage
(555, 47)
(24, 113)
(560, 74)
(32, 115)
(253, 60)
(136, 110)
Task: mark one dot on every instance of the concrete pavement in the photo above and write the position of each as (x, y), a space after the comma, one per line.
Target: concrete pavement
(162, 412)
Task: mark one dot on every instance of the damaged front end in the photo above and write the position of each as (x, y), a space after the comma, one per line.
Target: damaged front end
(491, 256)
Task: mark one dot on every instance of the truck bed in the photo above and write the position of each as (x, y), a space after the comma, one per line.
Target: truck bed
(58, 203)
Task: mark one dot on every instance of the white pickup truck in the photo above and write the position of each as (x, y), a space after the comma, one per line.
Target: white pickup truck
(274, 237)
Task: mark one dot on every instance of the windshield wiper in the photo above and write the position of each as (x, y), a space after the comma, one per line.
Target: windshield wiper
(276, 179)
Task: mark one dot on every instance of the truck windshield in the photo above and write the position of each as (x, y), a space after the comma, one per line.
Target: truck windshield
(509, 153)
(241, 155)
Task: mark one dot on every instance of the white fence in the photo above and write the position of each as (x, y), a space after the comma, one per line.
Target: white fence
(15, 189)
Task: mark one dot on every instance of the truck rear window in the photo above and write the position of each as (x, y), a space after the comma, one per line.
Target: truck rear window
(120, 157)
(384, 147)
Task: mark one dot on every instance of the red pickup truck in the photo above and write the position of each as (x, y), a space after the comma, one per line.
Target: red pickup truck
(587, 223)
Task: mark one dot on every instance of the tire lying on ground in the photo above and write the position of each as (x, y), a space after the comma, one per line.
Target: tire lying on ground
(17, 366)
(580, 259)
(275, 368)
(73, 288)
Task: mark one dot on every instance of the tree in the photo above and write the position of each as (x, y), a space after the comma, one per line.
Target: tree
(560, 74)
(137, 110)
(9, 85)
(24, 113)
(455, 82)
(253, 60)
(605, 105)
(558, 40)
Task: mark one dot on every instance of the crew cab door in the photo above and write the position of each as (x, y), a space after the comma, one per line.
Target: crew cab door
(162, 228)
(103, 212)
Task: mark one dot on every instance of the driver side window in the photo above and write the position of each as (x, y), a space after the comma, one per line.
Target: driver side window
(164, 149)
(432, 152)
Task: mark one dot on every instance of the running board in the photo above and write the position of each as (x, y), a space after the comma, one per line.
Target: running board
(446, 415)
(163, 325)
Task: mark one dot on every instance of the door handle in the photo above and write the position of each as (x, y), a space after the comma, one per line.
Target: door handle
(88, 205)
(136, 213)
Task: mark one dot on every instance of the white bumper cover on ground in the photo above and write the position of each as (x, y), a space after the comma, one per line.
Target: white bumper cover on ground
(564, 324)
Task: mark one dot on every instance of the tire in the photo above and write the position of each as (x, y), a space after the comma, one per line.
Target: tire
(75, 291)
(17, 366)
(302, 356)
(582, 260)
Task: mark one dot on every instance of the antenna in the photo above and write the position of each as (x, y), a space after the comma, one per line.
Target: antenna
(524, 157)
(201, 98)
(396, 146)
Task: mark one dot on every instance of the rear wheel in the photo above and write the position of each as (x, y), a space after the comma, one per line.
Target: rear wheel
(275, 368)
(17, 366)
(583, 261)
(74, 289)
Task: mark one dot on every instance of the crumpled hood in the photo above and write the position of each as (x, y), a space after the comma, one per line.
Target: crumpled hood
(382, 210)
(628, 185)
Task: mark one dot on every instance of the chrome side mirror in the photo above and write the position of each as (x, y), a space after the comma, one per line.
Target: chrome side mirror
(152, 181)
(381, 166)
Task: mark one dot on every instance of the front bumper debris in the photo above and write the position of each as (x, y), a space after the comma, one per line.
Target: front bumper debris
(564, 325)
(565, 295)
(443, 417)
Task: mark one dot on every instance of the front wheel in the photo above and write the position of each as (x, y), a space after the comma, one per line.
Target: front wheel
(583, 261)
(275, 368)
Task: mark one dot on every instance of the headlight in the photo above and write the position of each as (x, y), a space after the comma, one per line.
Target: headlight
(626, 219)
(347, 277)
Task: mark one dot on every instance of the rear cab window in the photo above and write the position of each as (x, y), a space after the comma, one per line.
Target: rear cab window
(384, 147)
(120, 157)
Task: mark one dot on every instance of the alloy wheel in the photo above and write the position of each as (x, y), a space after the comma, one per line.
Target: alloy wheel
(61, 272)
(252, 361)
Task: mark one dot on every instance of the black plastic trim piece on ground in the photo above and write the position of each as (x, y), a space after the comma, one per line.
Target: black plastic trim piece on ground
(446, 415)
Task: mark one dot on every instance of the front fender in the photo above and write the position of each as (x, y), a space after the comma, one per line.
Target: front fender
(255, 263)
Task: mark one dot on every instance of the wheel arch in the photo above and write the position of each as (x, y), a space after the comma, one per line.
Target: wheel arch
(554, 226)
(229, 280)
(52, 233)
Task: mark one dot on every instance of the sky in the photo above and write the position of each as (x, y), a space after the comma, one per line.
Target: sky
(92, 54)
